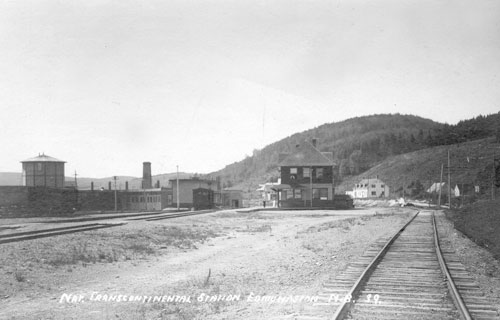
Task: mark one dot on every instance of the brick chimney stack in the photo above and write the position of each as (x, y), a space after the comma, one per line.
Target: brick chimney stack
(147, 180)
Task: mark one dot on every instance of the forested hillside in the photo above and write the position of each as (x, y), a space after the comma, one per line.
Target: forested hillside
(470, 163)
(358, 144)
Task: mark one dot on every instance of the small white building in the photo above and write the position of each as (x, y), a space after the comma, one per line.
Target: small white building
(269, 195)
(370, 188)
(463, 189)
(436, 187)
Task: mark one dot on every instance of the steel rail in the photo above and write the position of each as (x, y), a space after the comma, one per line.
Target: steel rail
(10, 235)
(47, 233)
(345, 306)
(44, 233)
(457, 298)
(190, 213)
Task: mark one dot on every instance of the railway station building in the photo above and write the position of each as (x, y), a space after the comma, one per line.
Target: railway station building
(307, 178)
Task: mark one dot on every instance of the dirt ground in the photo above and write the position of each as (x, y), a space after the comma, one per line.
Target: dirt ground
(228, 266)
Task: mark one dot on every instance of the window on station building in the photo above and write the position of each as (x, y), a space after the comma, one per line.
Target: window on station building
(297, 194)
(374, 193)
(373, 186)
(320, 194)
(288, 193)
(319, 173)
(306, 172)
(293, 170)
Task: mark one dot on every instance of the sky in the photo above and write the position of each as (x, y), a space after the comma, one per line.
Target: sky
(107, 85)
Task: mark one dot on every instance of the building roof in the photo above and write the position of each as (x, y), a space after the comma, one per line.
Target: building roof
(43, 158)
(281, 187)
(267, 186)
(307, 155)
(193, 180)
(436, 186)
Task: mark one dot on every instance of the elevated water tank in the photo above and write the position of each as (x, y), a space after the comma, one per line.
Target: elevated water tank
(43, 171)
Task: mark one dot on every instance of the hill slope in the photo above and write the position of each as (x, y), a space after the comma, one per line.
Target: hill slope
(358, 144)
(470, 163)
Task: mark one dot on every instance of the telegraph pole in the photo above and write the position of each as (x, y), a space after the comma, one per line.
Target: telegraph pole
(493, 186)
(116, 203)
(311, 184)
(177, 189)
(440, 186)
(449, 180)
(76, 184)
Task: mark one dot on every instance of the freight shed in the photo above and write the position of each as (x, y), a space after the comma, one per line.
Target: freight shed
(186, 187)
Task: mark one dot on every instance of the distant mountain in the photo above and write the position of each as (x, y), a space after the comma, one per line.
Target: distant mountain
(10, 179)
(133, 182)
(358, 144)
(15, 179)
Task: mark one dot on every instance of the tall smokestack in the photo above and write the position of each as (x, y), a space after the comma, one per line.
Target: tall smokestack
(147, 181)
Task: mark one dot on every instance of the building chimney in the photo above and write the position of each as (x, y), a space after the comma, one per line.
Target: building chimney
(109, 185)
(126, 185)
(92, 186)
(147, 180)
(314, 142)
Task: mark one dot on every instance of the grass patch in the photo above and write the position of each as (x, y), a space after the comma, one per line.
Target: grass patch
(104, 246)
(344, 224)
(261, 228)
(480, 222)
(209, 286)
(20, 276)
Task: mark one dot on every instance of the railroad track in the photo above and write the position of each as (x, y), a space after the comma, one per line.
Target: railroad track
(405, 277)
(36, 234)
(174, 215)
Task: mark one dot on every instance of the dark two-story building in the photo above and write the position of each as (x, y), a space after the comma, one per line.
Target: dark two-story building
(307, 178)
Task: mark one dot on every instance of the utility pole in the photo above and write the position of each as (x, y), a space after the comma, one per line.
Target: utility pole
(177, 189)
(311, 184)
(430, 183)
(368, 188)
(440, 186)
(493, 176)
(449, 180)
(76, 184)
(404, 183)
(116, 202)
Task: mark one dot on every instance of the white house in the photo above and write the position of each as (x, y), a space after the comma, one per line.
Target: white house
(369, 188)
